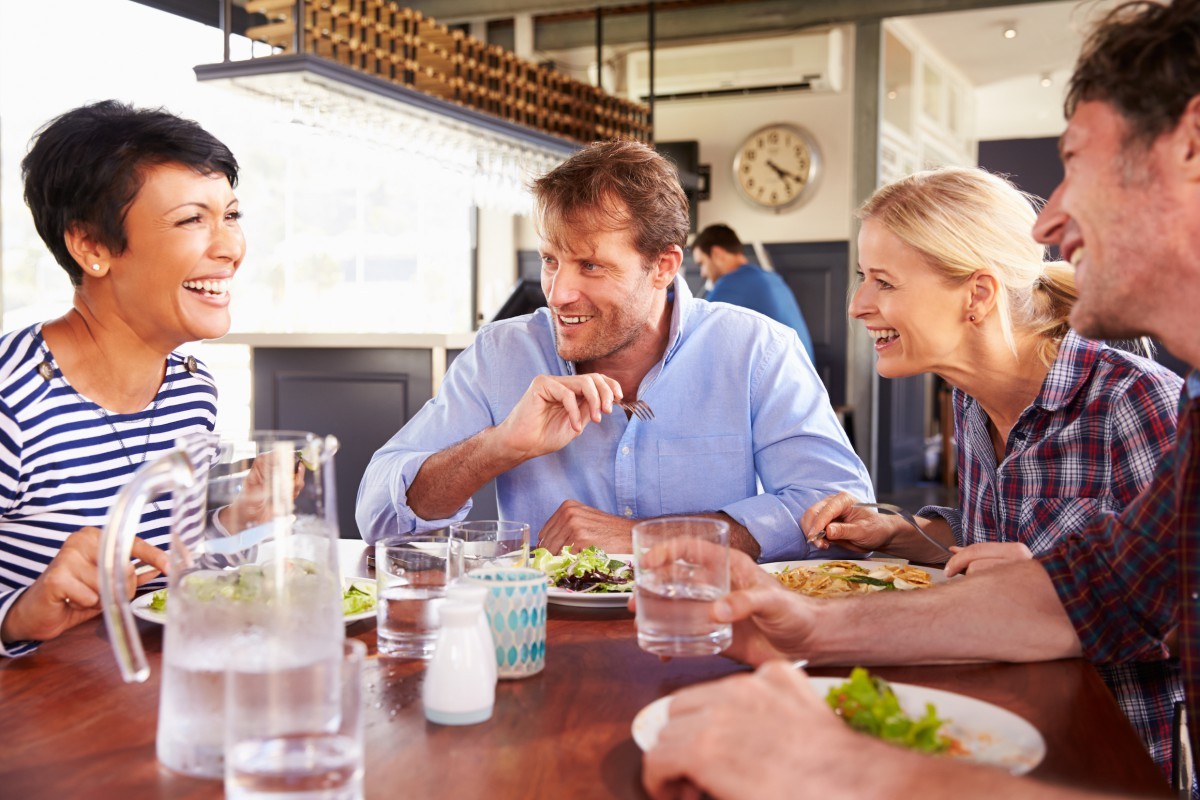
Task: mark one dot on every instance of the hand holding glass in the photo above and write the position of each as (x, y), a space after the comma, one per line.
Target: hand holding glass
(681, 567)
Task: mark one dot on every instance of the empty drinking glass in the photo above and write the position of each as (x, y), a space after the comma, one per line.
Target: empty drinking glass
(492, 543)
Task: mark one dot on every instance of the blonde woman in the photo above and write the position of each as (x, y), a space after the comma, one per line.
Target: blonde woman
(1051, 428)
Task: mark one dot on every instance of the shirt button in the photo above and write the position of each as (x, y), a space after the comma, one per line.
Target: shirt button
(628, 511)
(625, 450)
(1196, 595)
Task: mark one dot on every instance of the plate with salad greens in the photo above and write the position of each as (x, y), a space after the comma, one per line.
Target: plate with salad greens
(929, 720)
(358, 602)
(590, 578)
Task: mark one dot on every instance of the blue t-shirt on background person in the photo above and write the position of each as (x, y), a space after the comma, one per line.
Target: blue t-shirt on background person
(751, 286)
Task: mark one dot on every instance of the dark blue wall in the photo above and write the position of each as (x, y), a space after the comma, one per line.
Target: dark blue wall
(1032, 164)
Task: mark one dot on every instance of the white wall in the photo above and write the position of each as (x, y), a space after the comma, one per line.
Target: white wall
(497, 255)
(1041, 107)
(720, 124)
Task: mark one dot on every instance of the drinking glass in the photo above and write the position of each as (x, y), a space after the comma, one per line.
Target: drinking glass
(681, 567)
(298, 733)
(492, 543)
(411, 574)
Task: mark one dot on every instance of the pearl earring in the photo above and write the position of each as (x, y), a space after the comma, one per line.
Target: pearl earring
(972, 318)
(95, 267)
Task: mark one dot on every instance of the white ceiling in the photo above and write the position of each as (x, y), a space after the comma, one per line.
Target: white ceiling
(1011, 101)
(1048, 38)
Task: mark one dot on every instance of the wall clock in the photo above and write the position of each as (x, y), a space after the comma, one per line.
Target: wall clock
(776, 166)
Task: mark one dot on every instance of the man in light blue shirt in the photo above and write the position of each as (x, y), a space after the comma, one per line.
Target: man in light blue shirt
(736, 403)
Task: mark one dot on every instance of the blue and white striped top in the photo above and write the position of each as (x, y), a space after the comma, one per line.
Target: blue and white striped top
(63, 458)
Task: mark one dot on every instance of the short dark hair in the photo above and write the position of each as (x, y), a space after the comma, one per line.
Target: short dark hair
(718, 235)
(86, 166)
(611, 186)
(1143, 58)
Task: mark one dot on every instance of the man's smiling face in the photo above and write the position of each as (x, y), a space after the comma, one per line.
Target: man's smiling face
(600, 293)
(1114, 217)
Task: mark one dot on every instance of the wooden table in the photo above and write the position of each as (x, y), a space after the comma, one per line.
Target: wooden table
(72, 729)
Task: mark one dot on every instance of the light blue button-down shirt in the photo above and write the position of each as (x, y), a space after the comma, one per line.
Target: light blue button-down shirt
(736, 403)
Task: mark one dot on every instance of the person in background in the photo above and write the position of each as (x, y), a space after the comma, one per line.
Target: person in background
(1051, 428)
(1124, 587)
(735, 279)
(137, 206)
(531, 402)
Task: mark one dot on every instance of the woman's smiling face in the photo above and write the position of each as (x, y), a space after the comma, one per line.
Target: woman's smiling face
(916, 317)
(184, 245)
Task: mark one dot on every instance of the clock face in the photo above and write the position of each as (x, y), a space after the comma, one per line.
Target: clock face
(776, 166)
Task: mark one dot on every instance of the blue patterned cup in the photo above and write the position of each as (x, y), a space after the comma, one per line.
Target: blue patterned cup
(516, 611)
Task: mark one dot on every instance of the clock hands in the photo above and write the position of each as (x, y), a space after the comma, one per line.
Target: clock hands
(783, 173)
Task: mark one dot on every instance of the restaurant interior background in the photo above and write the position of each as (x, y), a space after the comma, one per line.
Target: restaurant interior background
(380, 237)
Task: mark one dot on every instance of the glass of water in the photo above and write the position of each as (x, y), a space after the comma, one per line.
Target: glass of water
(411, 574)
(492, 543)
(681, 567)
(296, 732)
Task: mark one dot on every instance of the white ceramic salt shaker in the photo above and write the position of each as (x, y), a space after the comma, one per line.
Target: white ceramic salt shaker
(476, 595)
(459, 689)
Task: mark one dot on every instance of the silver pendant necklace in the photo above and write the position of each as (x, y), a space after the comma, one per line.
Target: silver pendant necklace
(46, 371)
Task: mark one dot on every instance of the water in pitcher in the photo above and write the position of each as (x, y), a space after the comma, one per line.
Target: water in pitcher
(253, 582)
(232, 619)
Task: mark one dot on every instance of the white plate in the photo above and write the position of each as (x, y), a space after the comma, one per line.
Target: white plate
(992, 734)
(566, 597)
(141, 606)
(936, 575)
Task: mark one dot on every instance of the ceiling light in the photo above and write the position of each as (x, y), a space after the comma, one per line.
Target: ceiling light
(1046, 81)
(1010, 31)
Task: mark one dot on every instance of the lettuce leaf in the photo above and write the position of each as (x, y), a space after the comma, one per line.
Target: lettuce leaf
(869, 705)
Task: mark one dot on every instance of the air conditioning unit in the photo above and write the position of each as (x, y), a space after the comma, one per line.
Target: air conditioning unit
(811, 60)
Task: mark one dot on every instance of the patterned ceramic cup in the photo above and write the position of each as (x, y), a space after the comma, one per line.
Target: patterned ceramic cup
(516, 611)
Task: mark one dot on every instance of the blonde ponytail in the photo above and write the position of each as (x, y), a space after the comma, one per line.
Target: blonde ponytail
(1050, 305)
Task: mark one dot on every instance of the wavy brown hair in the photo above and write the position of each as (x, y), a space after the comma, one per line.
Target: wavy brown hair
(611, 186)
(1143, 58)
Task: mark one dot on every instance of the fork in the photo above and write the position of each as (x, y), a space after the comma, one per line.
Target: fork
(888, 508)
(637, 408)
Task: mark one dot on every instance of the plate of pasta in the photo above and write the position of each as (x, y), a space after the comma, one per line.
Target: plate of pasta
(848, 578)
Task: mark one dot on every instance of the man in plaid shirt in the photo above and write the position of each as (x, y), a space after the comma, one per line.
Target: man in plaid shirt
(1125, 587)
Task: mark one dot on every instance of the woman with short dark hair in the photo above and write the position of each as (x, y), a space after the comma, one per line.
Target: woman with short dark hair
(137, 206)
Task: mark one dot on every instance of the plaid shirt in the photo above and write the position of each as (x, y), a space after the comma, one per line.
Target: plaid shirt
(1127, 581)
(1088, 444)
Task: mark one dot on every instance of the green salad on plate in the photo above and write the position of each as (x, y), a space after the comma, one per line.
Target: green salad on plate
(591, 570)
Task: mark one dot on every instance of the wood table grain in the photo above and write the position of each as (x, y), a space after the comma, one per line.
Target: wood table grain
(72, 729)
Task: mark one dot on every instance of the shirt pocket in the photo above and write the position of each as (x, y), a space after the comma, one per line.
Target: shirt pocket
(1042, 521)
(702, 474)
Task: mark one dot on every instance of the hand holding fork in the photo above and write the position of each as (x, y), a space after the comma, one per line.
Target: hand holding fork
(872, 533)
